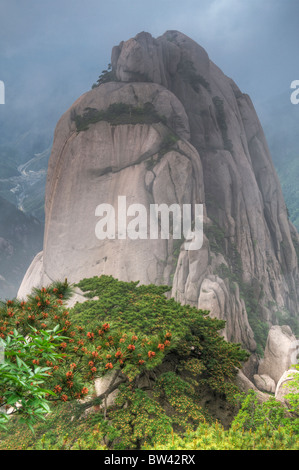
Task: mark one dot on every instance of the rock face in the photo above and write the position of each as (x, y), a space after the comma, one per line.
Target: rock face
(286, 385)
(278, 352)
(207, 148)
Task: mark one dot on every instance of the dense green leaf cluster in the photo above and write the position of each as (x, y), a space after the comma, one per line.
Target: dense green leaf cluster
(107, 75)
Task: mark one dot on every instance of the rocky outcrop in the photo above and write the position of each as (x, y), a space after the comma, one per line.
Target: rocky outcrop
(202, 143)
(264, 382)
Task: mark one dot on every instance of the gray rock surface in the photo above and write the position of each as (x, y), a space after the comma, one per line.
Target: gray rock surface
(278, 352)
(248, 260)
(264, 383)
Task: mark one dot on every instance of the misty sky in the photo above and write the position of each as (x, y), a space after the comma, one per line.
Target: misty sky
(52, 51)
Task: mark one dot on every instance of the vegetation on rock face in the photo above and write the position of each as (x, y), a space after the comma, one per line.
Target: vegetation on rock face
(21, 377)
(119, 113)
(288, 172)
(161, 356)
(167, 144)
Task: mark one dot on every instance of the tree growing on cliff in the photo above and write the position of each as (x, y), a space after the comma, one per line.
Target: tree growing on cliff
(159, 355)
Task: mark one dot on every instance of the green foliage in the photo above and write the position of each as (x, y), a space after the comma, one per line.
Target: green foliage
(8, 163)
(200, 354)
(117, 114)
(257, 426)
(288, 172)
(292, 396)
(144, 329)
(284, 317)
(296, 242)
(168, 142)
(233, 272)
(149, 312)
(259, 327)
